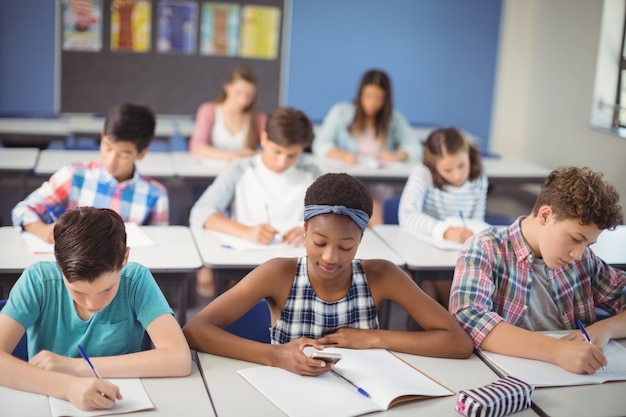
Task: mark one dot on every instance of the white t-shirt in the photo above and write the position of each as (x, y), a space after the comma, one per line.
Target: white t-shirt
(222, 138)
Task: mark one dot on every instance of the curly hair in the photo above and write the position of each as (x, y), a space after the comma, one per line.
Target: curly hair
(89, 242)
(450, 141)
(339, 190)
(580, 193)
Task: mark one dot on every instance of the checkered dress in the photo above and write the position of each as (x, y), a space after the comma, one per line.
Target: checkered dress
(306, 315)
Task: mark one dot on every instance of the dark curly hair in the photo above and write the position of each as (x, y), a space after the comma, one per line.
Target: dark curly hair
(339, 190)
(450, 141)
(580, 193)
(89, 242)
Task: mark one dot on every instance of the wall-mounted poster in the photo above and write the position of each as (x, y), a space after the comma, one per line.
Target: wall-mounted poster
(130, 25)
(82, 25)
(260, 31)
(219, 30)
(177, 26)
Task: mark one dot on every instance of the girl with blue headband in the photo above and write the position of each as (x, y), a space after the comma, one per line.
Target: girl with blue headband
(327, 297)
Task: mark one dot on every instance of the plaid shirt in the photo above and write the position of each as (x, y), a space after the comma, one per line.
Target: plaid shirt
(306, 315)
(493, 280)
(138, 200)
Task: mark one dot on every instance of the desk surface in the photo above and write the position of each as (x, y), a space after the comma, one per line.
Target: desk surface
(166, 126)
(215, 256)
(610, 246)
(187, 165)
(34, 127)
(416, 254)
(234, 396)
(155, 164)
(497, 170)
(175, 251)
(18, 159)
(170, 396)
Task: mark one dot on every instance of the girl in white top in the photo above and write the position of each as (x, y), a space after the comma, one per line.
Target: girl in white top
(229, 127)
(449, 184)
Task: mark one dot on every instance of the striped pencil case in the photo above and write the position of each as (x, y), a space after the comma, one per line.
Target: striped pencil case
(505, 396)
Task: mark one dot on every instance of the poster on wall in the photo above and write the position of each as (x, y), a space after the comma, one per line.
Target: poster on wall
(82, 25)
(219, 30)
(260, 31)
(177, 27)
(130, 25)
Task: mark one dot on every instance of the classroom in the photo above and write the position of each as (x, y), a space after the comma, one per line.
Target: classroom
(520, 78)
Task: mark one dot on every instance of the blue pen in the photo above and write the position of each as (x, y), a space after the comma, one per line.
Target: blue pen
(83, 353)
(462, 218)
(587, 338)
(359, 389)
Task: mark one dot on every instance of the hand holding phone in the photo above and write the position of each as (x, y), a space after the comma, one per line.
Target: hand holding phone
(326, 356)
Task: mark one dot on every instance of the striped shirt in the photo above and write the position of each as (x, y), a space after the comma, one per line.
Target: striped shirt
(423, 208)
(494, 276)
(138, 200)
(306, 315)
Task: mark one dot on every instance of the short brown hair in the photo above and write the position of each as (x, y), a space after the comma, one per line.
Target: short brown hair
(580, 193)
(89, 242)
(450, 141)
(287, 126)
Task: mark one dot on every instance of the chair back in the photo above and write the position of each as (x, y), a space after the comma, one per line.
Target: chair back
(21, 350)
(253, 325)
(390, 210)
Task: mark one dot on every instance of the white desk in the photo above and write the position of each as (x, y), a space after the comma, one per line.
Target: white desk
(230, 264)
(171, 261)
(498, 170)
(416, 254)
(186, 396)
(18, 160)
(166, 126)
(597, 400)
(610, 247)
(34, 127)
(155, 164)
(190, 166)
(234, 396)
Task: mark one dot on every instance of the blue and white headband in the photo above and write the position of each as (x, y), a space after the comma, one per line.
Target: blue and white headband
(359, 216)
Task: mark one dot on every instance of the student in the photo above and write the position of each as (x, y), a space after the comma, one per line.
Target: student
(449, 182)
(539, 274)
(93, 297)
(327, 297)
(369, 128)
(112, 182)
(271, 184)
(229, 127)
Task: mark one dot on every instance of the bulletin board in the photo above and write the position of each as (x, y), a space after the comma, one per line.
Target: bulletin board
(170, 55)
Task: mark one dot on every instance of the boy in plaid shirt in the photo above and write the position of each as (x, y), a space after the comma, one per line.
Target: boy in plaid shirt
(112, 182)
(539, 274)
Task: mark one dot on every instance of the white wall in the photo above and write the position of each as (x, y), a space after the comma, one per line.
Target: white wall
(544, 88)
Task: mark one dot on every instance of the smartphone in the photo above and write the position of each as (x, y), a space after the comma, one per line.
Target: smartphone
(326, 356)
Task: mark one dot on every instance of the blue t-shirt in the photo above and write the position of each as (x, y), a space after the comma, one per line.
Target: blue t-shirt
(41, 303)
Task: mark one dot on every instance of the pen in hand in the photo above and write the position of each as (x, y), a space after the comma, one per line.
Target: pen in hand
(267, 214)
(587, 338)
(359, 389)
(462, 219)
(83, 353)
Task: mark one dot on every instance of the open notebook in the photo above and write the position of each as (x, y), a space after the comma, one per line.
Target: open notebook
(135, 238)
(240, 244)
(387, 379)
(544, 374)
(26, 404)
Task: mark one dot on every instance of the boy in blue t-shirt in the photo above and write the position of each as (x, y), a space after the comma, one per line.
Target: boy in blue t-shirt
(93, 297)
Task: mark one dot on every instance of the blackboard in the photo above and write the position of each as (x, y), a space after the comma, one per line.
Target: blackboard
(171, 84)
